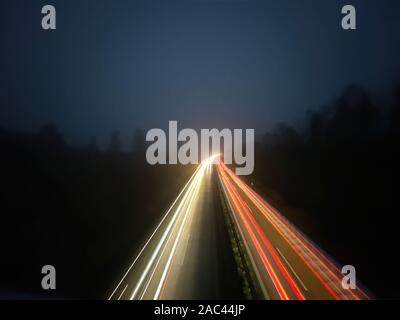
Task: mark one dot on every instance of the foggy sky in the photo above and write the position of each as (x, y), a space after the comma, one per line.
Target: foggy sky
(224, 63)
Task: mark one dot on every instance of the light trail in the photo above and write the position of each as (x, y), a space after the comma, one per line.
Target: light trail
(152, 235)
(182, 225)
(198, 175)
(165, 247)
(315, 268)
(291, 268)
(205, 167)
(278, 285)
(161, 255)
(322, 268)
(308, 242)
(246, 218)
(287, 265)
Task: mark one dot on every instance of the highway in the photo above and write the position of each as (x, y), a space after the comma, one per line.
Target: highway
(188, 255)
(287, 264)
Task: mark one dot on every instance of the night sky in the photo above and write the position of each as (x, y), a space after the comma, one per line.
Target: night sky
(224, 63)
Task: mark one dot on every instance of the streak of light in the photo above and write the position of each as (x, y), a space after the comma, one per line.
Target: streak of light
(242, 207)
(154, 232)
(291, 268)
(171, 255)
(162, 241)
(123, 291)
(303, 247)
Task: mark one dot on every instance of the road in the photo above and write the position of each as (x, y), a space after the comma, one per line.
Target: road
(188, 256)
(287, 264)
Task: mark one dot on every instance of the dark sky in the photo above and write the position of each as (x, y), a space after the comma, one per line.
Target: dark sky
(223, 63)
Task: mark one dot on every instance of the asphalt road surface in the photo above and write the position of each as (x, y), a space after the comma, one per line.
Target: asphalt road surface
(188, 256)
(287, 264)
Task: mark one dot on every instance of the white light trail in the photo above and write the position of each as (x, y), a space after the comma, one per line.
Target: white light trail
(166, 268)
(162, 242)
(154, 232)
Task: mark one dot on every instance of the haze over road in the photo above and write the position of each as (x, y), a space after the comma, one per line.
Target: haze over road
(188, 255)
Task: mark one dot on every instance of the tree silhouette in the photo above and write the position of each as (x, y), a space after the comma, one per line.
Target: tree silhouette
(115, 142)
(92, 146)
(394, 114)
(138, 144)
(355, 117)
(49, 136)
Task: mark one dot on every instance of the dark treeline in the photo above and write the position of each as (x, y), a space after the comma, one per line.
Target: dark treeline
(87, 211)
(84, 211)
(341, 174)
